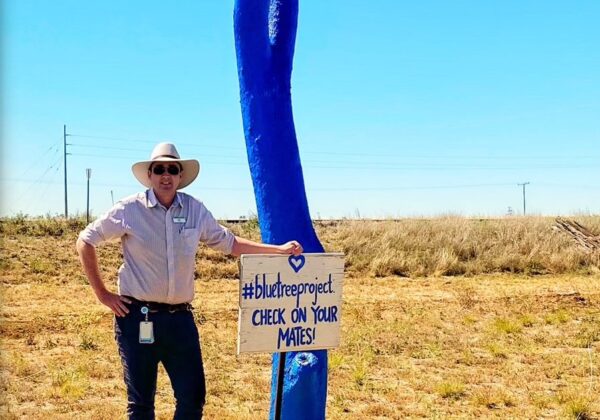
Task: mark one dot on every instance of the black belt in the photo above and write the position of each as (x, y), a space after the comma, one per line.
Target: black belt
(161, 307)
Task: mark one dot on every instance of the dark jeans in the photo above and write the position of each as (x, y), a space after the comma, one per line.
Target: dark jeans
(177, 346)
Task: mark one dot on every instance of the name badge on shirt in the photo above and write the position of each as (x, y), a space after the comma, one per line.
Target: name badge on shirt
(179, 219)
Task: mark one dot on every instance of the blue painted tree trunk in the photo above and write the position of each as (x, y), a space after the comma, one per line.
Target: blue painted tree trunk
(265, 34)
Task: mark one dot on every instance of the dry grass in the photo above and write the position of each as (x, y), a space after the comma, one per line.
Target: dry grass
(491, 346)
(458, 246)
(447, 246)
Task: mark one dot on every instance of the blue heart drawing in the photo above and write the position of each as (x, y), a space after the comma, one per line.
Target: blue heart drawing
(296, 262)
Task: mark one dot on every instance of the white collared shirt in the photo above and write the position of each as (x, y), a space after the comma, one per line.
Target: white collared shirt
(159, 244)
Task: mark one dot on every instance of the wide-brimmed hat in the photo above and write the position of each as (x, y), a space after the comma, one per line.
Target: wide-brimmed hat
(166, 152)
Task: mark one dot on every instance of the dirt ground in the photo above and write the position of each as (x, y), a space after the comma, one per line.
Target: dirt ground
(498, 346)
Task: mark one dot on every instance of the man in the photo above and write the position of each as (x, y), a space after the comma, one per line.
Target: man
(160, 230)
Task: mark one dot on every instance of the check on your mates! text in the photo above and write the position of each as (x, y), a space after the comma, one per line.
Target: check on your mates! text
(290, 303)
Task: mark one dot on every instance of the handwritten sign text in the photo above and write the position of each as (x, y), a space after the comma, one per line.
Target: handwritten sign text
(290, 303)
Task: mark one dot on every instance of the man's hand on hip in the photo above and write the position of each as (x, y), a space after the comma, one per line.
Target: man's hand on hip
(115, 302)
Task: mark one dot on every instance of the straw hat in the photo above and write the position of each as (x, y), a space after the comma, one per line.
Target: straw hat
(167, 153)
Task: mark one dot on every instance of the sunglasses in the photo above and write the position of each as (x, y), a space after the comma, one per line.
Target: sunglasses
(171, 169)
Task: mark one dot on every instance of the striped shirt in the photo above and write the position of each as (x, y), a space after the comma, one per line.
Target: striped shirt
(159, 244)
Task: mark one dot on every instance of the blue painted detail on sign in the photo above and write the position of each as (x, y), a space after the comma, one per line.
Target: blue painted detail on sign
(265, 34)
(296, 262)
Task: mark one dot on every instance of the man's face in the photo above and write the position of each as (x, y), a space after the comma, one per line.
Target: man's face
(165, 177)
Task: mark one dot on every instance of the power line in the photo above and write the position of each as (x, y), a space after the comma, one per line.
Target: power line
(330, 189)
(125, 149)
(154, 142)
(55, 164)
(110, 138)
(369, 165)
(338, 153)
(566, 186)
(425, 187)
(397, 163)
(37, 181)
(41, 195)
(54, 146)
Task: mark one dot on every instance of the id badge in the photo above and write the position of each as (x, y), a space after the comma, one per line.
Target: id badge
(146, 332)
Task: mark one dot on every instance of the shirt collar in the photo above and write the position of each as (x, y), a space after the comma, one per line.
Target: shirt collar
(152, 201)
(178, 200)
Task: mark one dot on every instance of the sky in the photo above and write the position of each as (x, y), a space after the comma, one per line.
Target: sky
(402, 109)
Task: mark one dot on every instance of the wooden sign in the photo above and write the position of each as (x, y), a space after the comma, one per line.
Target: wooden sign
(290, 303)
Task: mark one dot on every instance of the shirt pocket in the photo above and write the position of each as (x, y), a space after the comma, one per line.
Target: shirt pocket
(190, 239)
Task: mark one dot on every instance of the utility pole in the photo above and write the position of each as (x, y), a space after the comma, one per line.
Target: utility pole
(88, 174)
(65, 166)
(524, 208)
